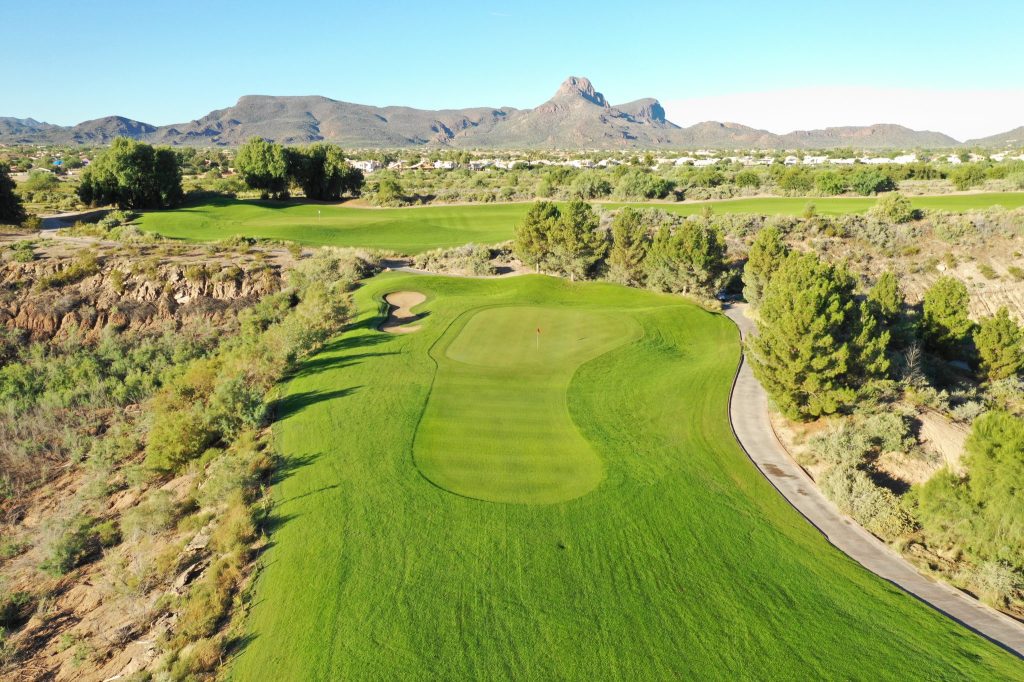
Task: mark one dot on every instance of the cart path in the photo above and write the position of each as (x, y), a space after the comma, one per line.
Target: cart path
(748, 412)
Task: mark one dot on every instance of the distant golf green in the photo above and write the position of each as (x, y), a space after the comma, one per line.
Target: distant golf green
(413, 230)
(463, 502)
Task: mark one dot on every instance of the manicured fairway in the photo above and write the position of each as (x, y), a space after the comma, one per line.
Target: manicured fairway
(412, 230)
(682, 562)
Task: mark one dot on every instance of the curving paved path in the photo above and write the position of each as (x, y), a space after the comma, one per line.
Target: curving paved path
(748, 411)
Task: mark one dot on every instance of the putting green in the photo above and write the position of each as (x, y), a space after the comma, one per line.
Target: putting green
(497, 425)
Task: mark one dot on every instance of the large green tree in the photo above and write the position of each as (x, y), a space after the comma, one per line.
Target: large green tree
(132, 174)
(576, 245)
(563, 240)
(263, 166)
(323, 173)
(629, 247)
(766, 254)
(803, 353)
(11, 210)
(533, 235)
(1000, 345)
(688, 258)
(945, 323)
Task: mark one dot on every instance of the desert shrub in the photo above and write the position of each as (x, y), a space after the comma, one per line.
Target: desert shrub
(895, 208)
(179, 432)
(208, 601)
(86, 264)
(236, 529)
(15, 608)
(22, 251)
(850, 441)
(74, 542)
(876, 508)
(238, 471)
(471, 259)
(995, 582)
(1016, 272)
(157, 512)
(107, 533)
(967, 411)
(203, 656)
(330, 266)
(841, 445)
(952, 228)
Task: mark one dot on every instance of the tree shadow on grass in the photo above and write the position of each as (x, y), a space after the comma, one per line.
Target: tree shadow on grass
(292, 404)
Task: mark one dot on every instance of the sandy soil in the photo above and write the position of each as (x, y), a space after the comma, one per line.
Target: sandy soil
(400, 312)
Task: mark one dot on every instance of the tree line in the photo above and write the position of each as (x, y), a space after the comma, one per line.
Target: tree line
(319, 169)
(638, 248)
(822, 343)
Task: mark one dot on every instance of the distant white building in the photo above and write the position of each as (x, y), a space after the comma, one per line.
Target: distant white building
(953, 159)
(699, 163)
(843, 162)
(444, 165)
(367, 166)
(905, 158)
(791, 161)
(815, 160)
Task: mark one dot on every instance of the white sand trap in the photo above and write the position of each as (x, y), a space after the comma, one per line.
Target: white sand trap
(400, 305)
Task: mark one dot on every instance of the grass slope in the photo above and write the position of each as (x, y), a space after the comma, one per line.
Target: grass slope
(413, 230)
(684, 563)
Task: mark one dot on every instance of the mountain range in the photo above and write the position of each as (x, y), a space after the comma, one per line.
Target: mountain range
(576, 117)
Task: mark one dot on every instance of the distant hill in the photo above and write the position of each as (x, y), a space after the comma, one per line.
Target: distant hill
(576, 117)
(1011, 138)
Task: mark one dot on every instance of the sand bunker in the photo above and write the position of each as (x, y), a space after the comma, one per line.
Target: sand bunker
(400, 305)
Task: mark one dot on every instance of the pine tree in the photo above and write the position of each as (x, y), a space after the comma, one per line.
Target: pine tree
(1000, 346)
(576, 245)
(533, 235)
(946, 325)
(766, 254)
(629, 247)
(802, 354)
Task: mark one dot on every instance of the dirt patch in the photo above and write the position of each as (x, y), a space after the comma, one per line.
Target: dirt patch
(400, 305)
(943, 437)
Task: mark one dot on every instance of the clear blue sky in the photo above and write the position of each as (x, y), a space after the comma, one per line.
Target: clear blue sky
(70, 60)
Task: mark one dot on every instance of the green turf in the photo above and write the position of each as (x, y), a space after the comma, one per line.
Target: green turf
(683, 562)
(413, 230)
(497, 426)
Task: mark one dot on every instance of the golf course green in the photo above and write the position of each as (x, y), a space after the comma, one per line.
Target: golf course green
(413, 230)
(475, 500)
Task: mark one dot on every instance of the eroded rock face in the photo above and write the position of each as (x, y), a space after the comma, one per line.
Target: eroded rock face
(123, 296)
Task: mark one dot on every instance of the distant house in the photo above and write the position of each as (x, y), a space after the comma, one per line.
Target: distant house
(444, 165)
(706, 162)
(791, 161)
(843, 162)
(815, 160)
(905, 158)
(368, 166)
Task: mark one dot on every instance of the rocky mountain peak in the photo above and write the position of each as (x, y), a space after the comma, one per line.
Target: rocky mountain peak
(575, 86)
